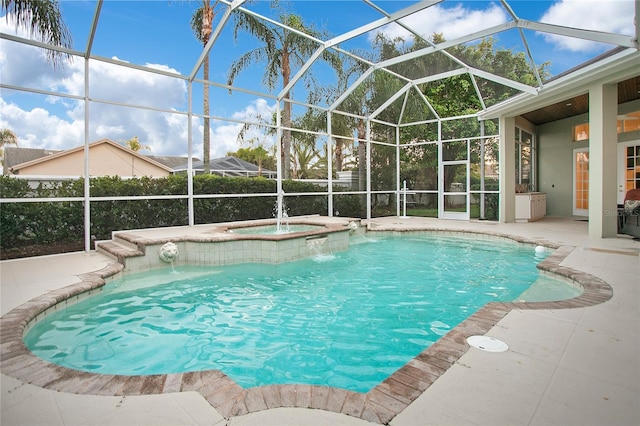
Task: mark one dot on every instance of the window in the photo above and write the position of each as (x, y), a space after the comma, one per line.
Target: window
(581, 181)
(525, 160)
(632, 167)
(629, 122)
(581, 132)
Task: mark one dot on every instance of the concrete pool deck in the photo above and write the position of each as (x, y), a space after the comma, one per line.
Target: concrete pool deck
(564, 366)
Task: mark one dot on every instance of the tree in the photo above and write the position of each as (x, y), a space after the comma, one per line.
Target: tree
(356, 103)
(134, 145)
(258, 131)
(307, 163)
(202, 25)
(452, 96)
(6, 137)
(257, 135)
(256, 155)
(42, 19)
(281, 49)
(342, 126)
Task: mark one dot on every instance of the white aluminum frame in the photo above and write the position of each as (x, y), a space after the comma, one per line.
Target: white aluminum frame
(624, 60)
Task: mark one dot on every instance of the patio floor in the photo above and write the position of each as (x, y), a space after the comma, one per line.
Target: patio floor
(577, 366)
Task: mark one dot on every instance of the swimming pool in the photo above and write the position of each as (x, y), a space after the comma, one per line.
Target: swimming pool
(358, 315)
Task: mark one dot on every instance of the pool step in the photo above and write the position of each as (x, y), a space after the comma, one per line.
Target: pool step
(124, 241)
(117, 250)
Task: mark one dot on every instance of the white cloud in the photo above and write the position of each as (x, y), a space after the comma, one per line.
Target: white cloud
(47, 121)
(127, 85)
(25, 65)
(52, 122)
(609, 16)
(452, 22)
(109, 131)
(258, 110)
(224, 136)
(37, 128)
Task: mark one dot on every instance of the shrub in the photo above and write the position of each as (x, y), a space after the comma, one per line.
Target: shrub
(38, 223)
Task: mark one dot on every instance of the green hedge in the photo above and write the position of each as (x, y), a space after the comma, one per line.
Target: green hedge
(27, 224)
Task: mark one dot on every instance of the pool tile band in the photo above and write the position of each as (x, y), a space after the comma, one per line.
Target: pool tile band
(379, 405)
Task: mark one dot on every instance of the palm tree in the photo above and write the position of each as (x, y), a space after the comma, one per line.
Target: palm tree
(307, 163)
(202, 25)
(134, 145)
(357, 103)
(6, 137)
(43, 19)
(260, 142)
(281, 49)
(256, 155)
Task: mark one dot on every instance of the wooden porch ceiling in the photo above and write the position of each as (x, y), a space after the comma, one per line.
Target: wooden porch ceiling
(628, 90)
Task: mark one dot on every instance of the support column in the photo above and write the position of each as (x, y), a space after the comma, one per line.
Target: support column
(507, 172)
(603, 138)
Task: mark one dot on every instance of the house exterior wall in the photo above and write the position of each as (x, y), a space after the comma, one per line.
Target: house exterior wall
(555, 159)
(555, 163)
(104, 160)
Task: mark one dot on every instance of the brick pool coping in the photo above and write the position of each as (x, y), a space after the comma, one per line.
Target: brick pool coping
(379, 405)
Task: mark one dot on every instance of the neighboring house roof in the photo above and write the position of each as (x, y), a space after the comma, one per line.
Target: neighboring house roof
(229, 166)
(170, 161)
(15, 155)
(17, 159)
(117, 151)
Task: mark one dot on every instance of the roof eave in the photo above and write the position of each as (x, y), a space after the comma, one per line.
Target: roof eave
(621, 66)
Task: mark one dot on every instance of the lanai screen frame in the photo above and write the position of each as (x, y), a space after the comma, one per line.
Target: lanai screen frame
(232, 7)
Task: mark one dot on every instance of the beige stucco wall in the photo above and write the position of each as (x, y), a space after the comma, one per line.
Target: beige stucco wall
(104, 160)
(555, 159)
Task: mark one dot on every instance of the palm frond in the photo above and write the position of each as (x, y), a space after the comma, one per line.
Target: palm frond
(244, 61)
(255, 27)
(44, 21)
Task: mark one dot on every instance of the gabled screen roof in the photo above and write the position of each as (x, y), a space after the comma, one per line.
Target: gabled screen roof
(145, 53)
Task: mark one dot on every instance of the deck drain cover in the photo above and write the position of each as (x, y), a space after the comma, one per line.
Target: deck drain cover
(487, 343)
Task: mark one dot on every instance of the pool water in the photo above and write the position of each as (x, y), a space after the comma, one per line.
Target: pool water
(346, 319)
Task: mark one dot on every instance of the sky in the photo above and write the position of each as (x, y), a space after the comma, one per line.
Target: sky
(157, 34)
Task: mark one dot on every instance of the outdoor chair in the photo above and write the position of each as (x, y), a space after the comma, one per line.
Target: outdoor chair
(630, 213)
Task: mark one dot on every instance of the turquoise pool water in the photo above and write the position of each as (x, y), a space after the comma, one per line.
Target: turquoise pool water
(346, 320)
